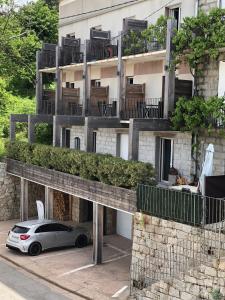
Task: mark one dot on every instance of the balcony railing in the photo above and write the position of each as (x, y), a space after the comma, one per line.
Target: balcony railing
(47, 105)
(47, 56)
(74, 109)
(103, 109)
(142, 45)
(149, 108)
(99, 50)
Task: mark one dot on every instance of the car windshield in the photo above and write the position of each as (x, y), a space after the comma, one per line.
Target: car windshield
(20, 229)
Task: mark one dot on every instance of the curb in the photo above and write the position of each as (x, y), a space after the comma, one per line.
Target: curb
(45, 279)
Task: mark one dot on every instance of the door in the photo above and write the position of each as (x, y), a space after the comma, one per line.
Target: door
(221, 86)
(166, 160)
(46, 236)
(64, 236)
(124, 146)
(124, 224)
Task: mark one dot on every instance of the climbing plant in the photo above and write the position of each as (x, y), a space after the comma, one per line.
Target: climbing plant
(200, 39)
(142, 41)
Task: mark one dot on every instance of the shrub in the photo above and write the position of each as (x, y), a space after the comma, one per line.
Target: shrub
(98, 167)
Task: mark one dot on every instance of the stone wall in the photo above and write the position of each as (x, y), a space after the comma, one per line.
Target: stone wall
(9, 195)
(207, 5)
(147, 147)
(106, 141)
(207, 84)
(77, 131)
(152, 239)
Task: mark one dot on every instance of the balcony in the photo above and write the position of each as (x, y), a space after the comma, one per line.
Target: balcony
(47, 58)
(71, 101)
(134, 108)
(71, 51)
(47, 105)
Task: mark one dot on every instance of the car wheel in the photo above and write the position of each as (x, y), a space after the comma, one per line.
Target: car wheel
(81, 241)
(34, 249)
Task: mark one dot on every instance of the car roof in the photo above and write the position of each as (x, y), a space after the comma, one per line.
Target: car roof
(32, 223)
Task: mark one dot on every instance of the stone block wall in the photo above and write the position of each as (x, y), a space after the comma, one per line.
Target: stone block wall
(106, 141)
(152, 236)
(77, 131)
(147, 147)
(9, 195)
(207, 84)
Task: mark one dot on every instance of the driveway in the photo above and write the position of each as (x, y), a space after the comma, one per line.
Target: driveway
(73, 268)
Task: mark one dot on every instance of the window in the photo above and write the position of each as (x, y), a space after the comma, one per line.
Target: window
(130, 80)
(166, 160)
(96, 83)
(67, 138)
(67, 85)
(174, 13)
(70, 85)
(98, 27)
(20, 229)
(94, 142)
(77, 143)
(44, 228)
(59, 227)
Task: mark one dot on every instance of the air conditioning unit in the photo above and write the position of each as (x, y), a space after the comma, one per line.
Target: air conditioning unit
(70, 42)
(133, 24)
(99, 34)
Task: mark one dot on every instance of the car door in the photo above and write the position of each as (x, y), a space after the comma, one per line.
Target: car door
(64, 235)
(46, 236)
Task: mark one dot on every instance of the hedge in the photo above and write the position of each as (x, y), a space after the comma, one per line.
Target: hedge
(98, 167)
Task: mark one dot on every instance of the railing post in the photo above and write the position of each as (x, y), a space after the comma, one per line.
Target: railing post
(58, 94)
(120, 75)
(169, 93)
(23, 199)
(39, 83)
(86, 81)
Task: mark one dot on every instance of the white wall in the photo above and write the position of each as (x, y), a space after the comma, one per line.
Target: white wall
(153, 84)
(221, 86)
(77, 131)
(112, 20)
(113, 87)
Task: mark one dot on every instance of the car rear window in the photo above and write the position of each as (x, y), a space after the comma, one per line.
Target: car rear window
(20, 229)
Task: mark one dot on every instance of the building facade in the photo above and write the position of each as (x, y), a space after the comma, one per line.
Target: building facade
(114, 98)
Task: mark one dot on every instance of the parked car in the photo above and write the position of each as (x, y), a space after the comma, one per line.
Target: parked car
(34, 236)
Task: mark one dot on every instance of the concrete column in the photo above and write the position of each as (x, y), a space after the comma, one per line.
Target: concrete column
(97, 233)
(88, 136)
(56, 132)
(31, 130)
(58, 94)
(86, 81)
(48, 203)
(12, 132)
(169, 94)
(157, 158)
(24, 200)
(120, 76)
(133, 141)
(39, 83)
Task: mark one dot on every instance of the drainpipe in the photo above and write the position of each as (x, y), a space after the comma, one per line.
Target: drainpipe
(196, 7)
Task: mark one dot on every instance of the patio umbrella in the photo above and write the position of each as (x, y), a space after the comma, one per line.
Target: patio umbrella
(207, 168)
(40, 209)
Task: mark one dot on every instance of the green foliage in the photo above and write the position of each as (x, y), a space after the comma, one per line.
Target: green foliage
(139, 42)
(43, 133)
(200, 38)
(22, 32)
(216, 294)
(104, 168)
(198, 113)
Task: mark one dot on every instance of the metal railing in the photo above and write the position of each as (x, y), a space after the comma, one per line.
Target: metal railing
(164, 262)
(74, 109)
(47, 107)
(141, 108)
(99, 50)
(103, 109)
(139, 45)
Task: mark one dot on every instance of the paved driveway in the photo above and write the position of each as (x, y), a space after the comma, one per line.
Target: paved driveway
(72, 268)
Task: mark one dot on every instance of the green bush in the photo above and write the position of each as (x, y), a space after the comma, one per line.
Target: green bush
(97, 167)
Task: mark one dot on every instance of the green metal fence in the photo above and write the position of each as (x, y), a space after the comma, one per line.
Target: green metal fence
(169, 204)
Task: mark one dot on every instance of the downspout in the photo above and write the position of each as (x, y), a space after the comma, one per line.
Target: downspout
(197, 3)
